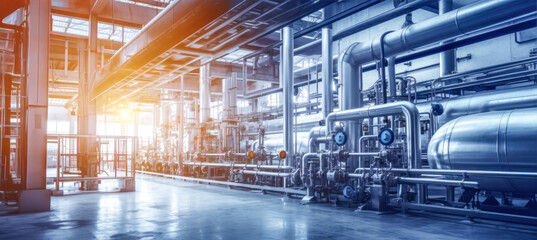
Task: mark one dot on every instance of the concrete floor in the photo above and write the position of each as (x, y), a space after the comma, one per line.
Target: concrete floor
(170, 209)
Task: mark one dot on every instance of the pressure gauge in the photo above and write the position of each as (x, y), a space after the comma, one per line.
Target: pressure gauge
(340, 138)
(386, 137)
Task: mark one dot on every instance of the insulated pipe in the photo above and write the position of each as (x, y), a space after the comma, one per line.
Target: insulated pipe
(351, 94)
(288, 46)
(383, 68)
(205, 95)
(391, 78)
(314, 133)
(447, 58)
(470, 213)
(271, 167)
(328, 70)
(305, 158)
(230, 95)
(366, 154)
(444, 27)
(272, 174)
(412, 116)
(466, 173)
(442, 182)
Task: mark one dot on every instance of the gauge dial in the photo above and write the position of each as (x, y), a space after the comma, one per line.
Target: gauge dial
(386, 136)
(340, 138)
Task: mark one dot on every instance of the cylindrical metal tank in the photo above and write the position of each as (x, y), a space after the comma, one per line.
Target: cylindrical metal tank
(492, 141)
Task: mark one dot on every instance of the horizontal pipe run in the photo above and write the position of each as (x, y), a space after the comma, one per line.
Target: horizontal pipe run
(271, 174)
(459, 172)
(364, 154)
(272, 167)
(471, 213)
(213, 154)
(233, 184)
(408, 109)
(443, 182)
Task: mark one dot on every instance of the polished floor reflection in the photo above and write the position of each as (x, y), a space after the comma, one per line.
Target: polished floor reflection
(170, 209)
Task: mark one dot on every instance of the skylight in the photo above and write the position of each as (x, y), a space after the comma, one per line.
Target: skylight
(76, 26)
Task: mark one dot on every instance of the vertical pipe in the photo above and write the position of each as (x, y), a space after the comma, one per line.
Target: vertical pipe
(66, 64)
(391, 77)
(233, 94)
(327, 69)
(447, 58)
(244, 77)
(288, 47)
(182, 126)
(225, 97)
(204, 92)
(351, 96)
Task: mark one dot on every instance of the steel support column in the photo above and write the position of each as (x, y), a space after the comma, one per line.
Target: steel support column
(34, 197)
(205, 94)
(87, 119)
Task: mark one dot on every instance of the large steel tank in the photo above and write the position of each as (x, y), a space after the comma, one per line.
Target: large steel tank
(492, 141)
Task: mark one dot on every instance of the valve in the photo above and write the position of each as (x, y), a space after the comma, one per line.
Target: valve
(437, 109)
(282, 154)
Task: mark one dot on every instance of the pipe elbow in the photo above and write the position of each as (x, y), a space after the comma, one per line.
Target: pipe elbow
(347, 56)
(410, 108)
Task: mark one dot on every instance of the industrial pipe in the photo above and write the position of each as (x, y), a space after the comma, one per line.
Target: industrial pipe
(434, 181)
(444, 27)
(328, 71)
(313, 135)
(410, 112)
(272, 174)
(271, 167)
(288, 46)
(447, 58)
(205, 95)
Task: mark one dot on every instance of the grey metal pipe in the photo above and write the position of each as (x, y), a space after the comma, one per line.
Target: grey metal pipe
(313, 134)
(350, 96)
(366, 154)
(214, 154)
(328, 70)
(410, 112)
(272, 174)
(444, 27)
(271, 167)
(368, 23)
(469, 173)
(441, 28)
(360, 146)
(305, 158)
(229, 89)
(205, 95)
(471, 213)
(288, 46)
(391, 77)
(434, 181)
(447, 58)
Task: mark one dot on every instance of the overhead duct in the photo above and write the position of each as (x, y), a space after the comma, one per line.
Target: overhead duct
(175, 23)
